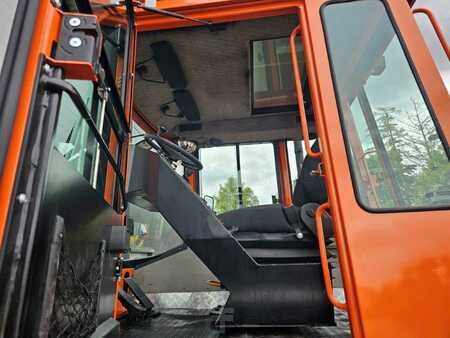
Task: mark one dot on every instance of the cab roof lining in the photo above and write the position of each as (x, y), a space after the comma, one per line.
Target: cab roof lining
(217, 68)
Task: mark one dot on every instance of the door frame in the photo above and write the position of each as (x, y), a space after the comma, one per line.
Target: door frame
(365, 239)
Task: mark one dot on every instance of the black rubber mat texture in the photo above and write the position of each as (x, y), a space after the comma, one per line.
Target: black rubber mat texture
(198, 324)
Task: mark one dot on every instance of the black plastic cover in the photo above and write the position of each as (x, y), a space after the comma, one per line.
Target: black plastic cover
(168, 64)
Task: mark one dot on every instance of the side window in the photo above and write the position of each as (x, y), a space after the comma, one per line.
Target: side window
(397, 156)
(259, 178)
(219, 177)
(75, 140)
(136, 131)
(150, 233)
(296, 155)
(273, 86)
(239, 176)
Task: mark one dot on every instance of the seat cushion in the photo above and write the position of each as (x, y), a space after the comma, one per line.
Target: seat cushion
(262, 219)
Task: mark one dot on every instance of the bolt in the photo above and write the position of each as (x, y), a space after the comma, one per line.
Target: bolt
(47, 69)
(74, 21)
(22, 198)
(75, 42)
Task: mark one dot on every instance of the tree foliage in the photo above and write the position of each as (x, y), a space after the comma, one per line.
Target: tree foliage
(415, 154)
(227, 197)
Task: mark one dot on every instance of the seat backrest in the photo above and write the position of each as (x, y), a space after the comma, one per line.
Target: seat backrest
(310, 188)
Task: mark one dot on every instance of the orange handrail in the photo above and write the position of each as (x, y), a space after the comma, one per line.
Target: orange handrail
(324, 259)
(299, 91)
(436, 27)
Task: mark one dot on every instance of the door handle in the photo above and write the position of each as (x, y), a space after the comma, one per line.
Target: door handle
(324, 259)
(436, 27)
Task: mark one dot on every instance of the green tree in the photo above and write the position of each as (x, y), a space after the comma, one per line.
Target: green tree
(415, 154)
(227, 197)
(395, 140)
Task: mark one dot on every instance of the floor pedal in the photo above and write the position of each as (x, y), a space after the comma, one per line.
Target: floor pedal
(133, 298)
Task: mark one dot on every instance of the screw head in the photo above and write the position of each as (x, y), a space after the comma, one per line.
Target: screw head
(74, 21)
(75, 42)
(22, 198)
(47, 68)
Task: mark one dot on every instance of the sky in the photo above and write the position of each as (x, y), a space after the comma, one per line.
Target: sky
(7, 9)
(441, 10)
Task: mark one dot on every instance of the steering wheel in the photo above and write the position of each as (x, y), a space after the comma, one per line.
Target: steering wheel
(173, 151)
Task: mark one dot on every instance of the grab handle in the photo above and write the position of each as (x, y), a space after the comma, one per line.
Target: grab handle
(436, 27)
(324, 259)
(299, 91)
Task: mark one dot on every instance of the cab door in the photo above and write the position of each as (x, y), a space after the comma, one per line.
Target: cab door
(64, 127)
(384, 125)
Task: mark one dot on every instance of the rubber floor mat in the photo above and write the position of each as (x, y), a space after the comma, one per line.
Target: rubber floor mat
(180, 323)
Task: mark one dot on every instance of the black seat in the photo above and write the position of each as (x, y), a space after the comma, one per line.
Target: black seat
(278, 228)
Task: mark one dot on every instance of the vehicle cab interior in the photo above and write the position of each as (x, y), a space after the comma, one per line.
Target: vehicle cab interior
(226, 96)
(225, 168)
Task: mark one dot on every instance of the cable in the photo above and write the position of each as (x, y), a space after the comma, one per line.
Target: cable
(151, 81)
(174, 15)
(144, 61)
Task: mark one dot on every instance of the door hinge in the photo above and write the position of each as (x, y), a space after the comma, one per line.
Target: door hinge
(78, 47)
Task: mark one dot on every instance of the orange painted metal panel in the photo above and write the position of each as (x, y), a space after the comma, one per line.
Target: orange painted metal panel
(45, 32)
(283, 164)
(227, 11)
(119, 310)
(395, 266)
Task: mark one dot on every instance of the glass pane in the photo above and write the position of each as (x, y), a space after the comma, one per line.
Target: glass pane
(136, 130)
(76, 142)
(259, 176)
(114, 46)
(219, 177)
(150, 234)
(273, 79)
(296, 155)
(7, 13)
(73, 138)
(397, 158)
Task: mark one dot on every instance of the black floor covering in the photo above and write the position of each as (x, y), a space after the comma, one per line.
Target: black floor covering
(198, 324)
